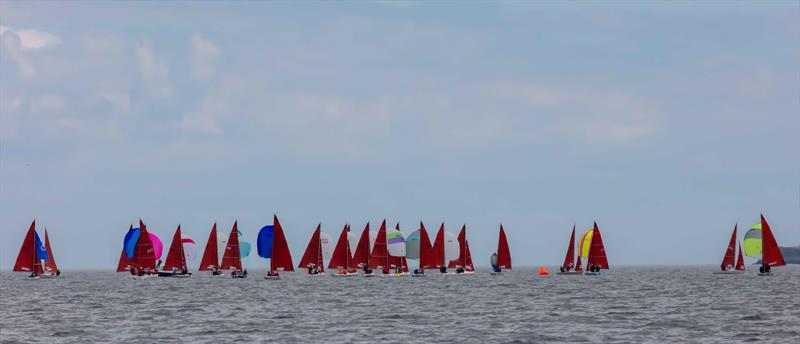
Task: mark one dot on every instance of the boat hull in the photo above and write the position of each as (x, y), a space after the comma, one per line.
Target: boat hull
(765, 273)
(347, 274)
(272, 277)
(569, 273)
(49, 276)
(174, 275)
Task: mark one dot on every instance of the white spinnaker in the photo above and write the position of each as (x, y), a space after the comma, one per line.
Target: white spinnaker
(396, 249)
(373, 235)
(451, 247)
(353, 240)
(327, 246)
(412, 245)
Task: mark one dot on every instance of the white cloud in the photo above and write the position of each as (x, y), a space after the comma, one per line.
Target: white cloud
(204, 53)
(154, 73)
(31, 38)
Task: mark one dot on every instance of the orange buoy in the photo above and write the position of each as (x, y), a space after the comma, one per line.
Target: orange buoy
(543, 271)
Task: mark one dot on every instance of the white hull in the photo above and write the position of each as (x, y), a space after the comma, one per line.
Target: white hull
(141, 277)
(347, 274)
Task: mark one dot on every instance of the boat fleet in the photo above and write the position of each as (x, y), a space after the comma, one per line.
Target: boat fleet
(383, 253)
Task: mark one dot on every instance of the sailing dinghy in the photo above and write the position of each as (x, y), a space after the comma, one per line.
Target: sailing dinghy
(418, 246)
(342, 261)
(760, 242)
(138, 253)
(232, 258)
(728, 267)
(445, 248)
(568, 267)
(503, 259)
(597, 259)
(175, 265)
(388, 253)
(210, 259)
(273, 246)
(32, 254)
(312, 259)
(463, 264)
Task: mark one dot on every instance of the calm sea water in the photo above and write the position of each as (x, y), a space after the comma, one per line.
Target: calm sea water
(634, 304)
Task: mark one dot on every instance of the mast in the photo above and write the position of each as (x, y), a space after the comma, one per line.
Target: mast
(281, 256)
(771, 254)
(50, 263)
(730, 252)
(503, 253)
(232, 257)
(570, 252)
(210, 258)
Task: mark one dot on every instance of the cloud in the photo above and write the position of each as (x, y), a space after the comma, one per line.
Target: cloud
(19, 44)
(154, 72)
(204, 53)
(32, 39)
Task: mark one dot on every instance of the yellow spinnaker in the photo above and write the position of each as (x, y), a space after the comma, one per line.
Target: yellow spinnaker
(584, 243)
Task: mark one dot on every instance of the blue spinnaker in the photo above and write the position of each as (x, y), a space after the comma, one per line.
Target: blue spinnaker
(41, 250)
(265, 241)
(129, 243)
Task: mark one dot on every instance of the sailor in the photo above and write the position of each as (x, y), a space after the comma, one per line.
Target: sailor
(33, 274)
(398, 269)
(245, 272)
(58, 272)
(562, 269)
(158, 264)
(443, 269)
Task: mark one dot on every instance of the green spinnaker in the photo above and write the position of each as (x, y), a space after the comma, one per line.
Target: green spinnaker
(752, 241)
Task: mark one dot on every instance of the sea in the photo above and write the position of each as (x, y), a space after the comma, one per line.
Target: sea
(622, 305)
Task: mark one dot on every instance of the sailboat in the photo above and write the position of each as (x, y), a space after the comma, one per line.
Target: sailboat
(342, 261)
(361, 255)
(759, 241)
(231, 258)
(418, 246)
(445, 248)
(210, 259)
(463, 264)
(597, 259)
(273, 246)
(175, 265)
(503, 254)
(381, 257)
(312, 259)
(728, 267)
(50, 267)
(570, 268)
(32, 254)
(138, 253)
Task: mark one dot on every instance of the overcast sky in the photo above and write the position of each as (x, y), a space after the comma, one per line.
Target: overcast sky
(666, 123)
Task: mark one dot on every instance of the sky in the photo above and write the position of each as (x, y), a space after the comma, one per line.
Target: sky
(665, 122)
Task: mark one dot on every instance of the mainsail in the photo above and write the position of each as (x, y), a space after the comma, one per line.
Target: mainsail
(568, 264)
(361, 254)
(771, 254)
(50, 263)
(232, 258)
(175, 257)
(464, 258)
(740, 260)
(379, 257)
(313, 254)
(597, 252)
(503, 253)
(730, 252)
(31, 253)
(341, 258)
(273, 246)
(145, 254)
(210, 258)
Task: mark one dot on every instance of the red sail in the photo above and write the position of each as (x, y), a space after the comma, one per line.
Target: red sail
(27, 260)
(427, 258)
(578, 266)
(341, 253)
(730, 252)
(361, 253)
(124, 262)
(50, 263)
(281, 257)
(313, 254)
(467, 257)
(175, 257)
(232, 258)
(464, 257)
(144, 253)
(597, 252)
(770, 252)
(210, 258)
(379, 257)
(570, 252)
(740, 260)
(503, 253)
(437, 253)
